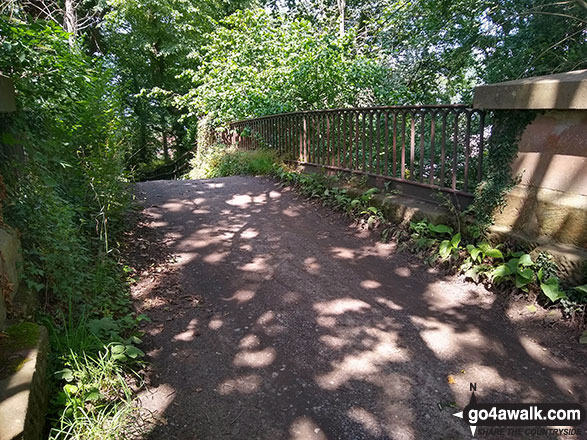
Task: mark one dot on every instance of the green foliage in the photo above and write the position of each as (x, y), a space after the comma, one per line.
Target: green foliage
(517, 269)
(323, 188)
(62, 159)
(220, 162)
(449, 248)
(503, 147)
(484, 262)
(257, 63)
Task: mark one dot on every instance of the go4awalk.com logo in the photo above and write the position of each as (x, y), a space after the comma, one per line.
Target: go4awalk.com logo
(524, 419)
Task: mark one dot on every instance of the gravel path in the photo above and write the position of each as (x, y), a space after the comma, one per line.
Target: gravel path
(279, 320)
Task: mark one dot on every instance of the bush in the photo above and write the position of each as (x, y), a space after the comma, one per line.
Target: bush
(221, 162)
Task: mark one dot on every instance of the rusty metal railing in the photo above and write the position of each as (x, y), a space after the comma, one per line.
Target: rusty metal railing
(438, 147)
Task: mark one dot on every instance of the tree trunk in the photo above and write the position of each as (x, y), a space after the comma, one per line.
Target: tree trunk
(70, 21)
(341, 7)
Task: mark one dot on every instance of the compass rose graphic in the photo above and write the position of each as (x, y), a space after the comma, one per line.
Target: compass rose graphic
(460, 415)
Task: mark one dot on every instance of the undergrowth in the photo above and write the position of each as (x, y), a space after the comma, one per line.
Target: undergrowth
(66, 191)
(218, 161)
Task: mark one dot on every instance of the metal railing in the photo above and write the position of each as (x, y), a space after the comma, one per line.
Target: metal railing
(437, 147)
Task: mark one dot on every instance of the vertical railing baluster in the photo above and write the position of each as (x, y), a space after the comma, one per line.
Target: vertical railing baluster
(467, 151)
(481, 145)
(443, 149)
(403, 152)
(324, 136)
(324, 145)
(320, 123)
(432, 144)
(394, 136)
(344, 144)
(370, 142)
(422, 128)
(303, 139)
(454, 151)
(363, 138)
(412, 144)
(386, 143)
(336, 136)
(312, 145)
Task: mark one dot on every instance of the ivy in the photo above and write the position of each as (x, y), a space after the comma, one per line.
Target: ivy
(508, 127)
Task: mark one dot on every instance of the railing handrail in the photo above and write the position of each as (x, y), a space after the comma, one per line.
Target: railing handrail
(362, 109)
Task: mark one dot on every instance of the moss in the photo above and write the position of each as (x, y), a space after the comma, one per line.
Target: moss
(14, 346)
(23, 335)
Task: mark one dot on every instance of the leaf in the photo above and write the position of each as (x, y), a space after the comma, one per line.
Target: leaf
(65, 374)
(525, 260)
(118, 349)
(512, 265)
(456, 239)
(424, 242)
(484, 247)
(70, 389)
(494, 253)
(540, 274)
(134, 352)
(475, 254)
(93, 394)
(119, 357)
(521, 282)
(440, 229)
(500, 271)
(531, 308)
(527, 274)
(473, 273)
(451, 380)
(444, 249)
(552, 289)
(582, 289)
(104, 325)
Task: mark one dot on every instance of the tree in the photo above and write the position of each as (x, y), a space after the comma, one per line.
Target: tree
(257, 63)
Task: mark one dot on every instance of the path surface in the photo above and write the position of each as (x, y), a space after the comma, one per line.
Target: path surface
(278, 320)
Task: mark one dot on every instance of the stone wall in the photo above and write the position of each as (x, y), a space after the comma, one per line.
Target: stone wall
(551, 198)
(10, 270)
(548, 207)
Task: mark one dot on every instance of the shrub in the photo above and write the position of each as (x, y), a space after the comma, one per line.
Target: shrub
(221, 162)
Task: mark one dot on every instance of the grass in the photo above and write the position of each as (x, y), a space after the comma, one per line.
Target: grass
(91, 397)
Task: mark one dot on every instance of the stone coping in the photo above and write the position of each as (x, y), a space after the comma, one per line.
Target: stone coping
(23, 389)
(562, 91)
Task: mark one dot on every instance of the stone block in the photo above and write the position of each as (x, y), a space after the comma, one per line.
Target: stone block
(23, 382)
(10, 269)
(7, 99)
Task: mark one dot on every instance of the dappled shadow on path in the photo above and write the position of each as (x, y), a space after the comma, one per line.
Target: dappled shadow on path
(304, 330)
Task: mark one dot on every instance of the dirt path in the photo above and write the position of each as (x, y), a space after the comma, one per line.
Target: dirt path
(278, 320)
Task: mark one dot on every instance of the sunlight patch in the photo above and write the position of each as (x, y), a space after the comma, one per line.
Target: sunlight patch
(304, 428)
(244, 385)
(370, 284)
(340, 306)
(255, 359)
